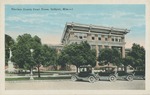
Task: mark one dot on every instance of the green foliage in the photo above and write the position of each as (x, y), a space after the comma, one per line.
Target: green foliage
(9, 42)
(137, 56)
(50, 56)
(22, 55)
(128, 60)
(108, 55)
(77, 54)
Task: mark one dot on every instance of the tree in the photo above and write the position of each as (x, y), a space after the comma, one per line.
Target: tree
(108, 55)
(51, 56)
(128, 60)
(9, 42)
(63, 59)
(138, 56)
(78, 54)
(21, 51)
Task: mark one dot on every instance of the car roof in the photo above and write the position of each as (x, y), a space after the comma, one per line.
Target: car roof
(107, 66)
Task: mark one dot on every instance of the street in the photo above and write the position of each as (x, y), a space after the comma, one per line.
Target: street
(78, 85)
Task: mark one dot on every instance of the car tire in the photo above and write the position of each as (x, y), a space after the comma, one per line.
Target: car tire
(129, 78)
(112, 78)
(73, 78)
(91, 79)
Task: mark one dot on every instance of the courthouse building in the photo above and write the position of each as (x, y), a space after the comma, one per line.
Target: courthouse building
(97, 36)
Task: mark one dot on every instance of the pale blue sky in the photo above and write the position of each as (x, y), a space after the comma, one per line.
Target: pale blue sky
(49, 25)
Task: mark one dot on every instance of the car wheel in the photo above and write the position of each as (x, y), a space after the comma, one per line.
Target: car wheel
(129, 78)
(73, 78)
(112, 78)
(91, 79)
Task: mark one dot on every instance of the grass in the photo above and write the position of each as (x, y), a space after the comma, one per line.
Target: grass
(36, 78)
(16, 79)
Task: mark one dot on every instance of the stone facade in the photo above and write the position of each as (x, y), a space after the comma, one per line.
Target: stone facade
(97, 36)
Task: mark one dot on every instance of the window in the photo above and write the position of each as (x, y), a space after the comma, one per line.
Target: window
(80, 37)
(113, 39)
(93, 38)
(116, 40)
(76, 35)
(119, 40)
(106, 38)
(99, 38)
(84, 36)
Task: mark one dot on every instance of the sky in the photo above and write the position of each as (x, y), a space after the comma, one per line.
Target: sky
(48, 21)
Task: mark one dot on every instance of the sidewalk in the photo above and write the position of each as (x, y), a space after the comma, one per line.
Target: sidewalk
(54, 75)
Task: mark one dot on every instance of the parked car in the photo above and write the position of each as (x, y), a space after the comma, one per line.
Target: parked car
(125, 75)
(85, 73)
(108, 72)
(139, 74)
(111, 73)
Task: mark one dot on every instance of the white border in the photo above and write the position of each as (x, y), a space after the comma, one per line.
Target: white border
(73, 92)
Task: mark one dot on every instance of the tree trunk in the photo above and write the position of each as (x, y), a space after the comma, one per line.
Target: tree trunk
(39, 71)
(77, 69)
(125, 68)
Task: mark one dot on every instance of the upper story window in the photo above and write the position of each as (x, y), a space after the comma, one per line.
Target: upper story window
(119, 40)
(93, 38)
(80, 37)
(116, 39)
(99, 37)
(84, 36)
(112, 39)
(106, 38)
(76, 35)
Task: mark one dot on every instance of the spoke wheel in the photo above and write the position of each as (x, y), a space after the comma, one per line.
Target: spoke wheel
(112, 78)
(92, 79)
(130, 78)
(73, 78)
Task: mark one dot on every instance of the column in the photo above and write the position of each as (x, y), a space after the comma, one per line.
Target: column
(103, 38)
(123, 51)
(103, 46)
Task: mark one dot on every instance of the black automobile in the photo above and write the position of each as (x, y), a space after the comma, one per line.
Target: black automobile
(125, 75)
(139, 75)
(108, 72)
(85, 73)
(112, 74)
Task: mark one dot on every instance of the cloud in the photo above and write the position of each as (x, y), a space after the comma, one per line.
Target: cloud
(26, 19)
(116, 19)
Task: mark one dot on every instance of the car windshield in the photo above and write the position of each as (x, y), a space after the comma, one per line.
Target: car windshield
(85, 69)
(107, 69)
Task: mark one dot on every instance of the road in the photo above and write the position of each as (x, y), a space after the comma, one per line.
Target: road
(78, 85)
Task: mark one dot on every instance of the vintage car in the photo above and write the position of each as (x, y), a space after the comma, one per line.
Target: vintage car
(112, 74)
(85, 73)
(139, 75)
(108, 72)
